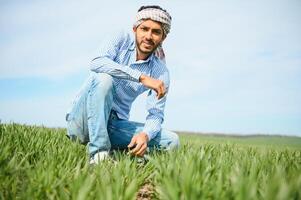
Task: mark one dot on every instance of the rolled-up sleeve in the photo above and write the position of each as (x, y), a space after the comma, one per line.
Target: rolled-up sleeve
(105, 62)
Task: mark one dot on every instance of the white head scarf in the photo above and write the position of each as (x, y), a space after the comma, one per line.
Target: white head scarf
(155, 13)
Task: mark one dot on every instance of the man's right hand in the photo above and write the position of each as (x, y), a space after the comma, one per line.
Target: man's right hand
(154, 84)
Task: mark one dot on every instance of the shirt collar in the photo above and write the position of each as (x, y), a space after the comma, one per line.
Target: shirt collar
(149, 59)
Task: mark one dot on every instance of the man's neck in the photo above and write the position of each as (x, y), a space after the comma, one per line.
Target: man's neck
(142, 56)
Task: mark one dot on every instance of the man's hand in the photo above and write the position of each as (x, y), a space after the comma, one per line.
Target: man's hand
(154, 84)
(139, 144)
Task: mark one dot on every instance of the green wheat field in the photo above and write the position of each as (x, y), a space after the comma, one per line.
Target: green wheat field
(41, 163)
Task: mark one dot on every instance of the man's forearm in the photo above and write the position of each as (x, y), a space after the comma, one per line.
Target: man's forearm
(106, 65)
(152, 127)
(154, 84)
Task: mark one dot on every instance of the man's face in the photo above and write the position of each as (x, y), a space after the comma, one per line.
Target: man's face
(149, 34)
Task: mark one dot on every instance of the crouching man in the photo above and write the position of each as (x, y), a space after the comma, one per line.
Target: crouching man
(128, 65)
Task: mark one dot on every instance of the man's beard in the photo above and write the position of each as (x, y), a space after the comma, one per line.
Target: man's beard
(146, 52)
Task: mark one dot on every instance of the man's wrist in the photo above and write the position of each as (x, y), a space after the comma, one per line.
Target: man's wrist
(142, 78)
(145, 135)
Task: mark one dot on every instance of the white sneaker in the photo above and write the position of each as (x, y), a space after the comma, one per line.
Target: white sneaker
(98, 157)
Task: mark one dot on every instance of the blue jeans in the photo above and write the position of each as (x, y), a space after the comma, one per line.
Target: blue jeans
(92, 120)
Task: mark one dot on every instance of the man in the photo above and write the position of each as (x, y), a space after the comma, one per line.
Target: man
(128, 65)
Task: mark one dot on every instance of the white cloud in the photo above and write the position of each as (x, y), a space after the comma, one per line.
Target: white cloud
(54, 38)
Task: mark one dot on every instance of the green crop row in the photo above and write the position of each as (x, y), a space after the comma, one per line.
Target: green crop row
(41, 163)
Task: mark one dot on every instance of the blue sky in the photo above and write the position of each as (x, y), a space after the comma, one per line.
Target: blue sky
(235, 65)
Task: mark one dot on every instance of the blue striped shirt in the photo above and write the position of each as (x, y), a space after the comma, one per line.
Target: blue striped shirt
(117, 57)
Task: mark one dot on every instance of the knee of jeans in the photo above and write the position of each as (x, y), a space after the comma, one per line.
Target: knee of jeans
(103, 81)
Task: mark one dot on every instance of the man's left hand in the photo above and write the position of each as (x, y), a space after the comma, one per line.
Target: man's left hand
(139, 142)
